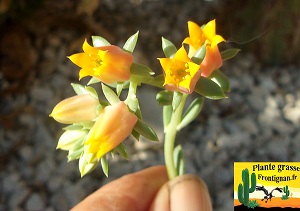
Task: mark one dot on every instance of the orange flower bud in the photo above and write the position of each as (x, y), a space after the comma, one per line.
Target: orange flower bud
(80, 108)
(211, 61)
(113, 125)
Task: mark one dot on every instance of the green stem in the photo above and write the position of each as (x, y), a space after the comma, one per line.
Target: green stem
(170, 139)
(131, 99)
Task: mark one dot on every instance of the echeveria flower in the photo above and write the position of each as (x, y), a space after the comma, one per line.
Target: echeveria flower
(181, 74)
(109, 64)
(113, 125)
(196, 38)
(211, 37)
(76, 109)
(211, 61)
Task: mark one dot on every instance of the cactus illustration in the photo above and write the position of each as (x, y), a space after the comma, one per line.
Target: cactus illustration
(244, 189)
(287, 193)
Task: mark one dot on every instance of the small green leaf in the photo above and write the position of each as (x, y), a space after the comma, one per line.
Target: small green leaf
(157, 81)
(199, 55)
(140, 73)
(167, 114)
(168, 47)
(93, 80)
(79, 89)
(145, 130)
(119, 88)
(229, 53)
(177, 96)
(121, 149)
(85, 167)
(209, 89)
(92, 92)
(191, 113)
(218, 77)
(110, 95)
(179, 160)
(99, 41)
(164, 97)
(75, 154)
(104, 165)
(136, 135)
(131, 42)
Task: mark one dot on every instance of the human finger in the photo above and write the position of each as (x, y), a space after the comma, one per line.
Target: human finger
(186, 192)
(133, 192)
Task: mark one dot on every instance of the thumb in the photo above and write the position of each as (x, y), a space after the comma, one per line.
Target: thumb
(186, 192)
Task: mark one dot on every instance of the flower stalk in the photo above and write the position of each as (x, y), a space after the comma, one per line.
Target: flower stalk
(170, 138)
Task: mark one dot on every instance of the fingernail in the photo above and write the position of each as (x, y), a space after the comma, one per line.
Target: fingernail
(189, 193)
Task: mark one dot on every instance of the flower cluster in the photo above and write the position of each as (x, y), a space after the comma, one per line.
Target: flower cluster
(97, 126)
(183, 70)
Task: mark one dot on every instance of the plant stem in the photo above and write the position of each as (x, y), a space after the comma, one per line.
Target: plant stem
(170, 139)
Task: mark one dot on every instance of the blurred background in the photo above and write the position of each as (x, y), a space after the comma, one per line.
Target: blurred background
(258, 122)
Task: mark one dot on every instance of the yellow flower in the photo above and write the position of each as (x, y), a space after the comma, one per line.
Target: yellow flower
(107, 63)
(76, 109)
(113, 125)
(196, 38)
(181, 74)
(211, 37)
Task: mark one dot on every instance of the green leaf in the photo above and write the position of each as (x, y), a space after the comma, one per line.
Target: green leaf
(191, 113)
(93, 80)
(104, 165)
(167, 114)
(92, 92)
(135, 134)
(119, 88)
(199, 55)
(168, 47)
(79, 89)
(157, 81)
(164, 97)
(145, 130)
(110, 95)
(177, 96)
(99, 41)
(229, 53)
(140, 73)
(209, 89)
(218, 77)
(75, 154)
(85, 167)
(121, 149)
(131, 42)
(178, 160)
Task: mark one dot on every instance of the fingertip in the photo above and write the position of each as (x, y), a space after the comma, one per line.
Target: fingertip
(189, 192)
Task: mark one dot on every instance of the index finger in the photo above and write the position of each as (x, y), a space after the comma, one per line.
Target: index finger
(133, 192)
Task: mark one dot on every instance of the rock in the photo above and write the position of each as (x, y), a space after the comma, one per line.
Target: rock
(35, 202)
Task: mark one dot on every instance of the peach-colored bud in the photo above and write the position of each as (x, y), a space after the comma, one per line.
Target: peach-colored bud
(211, 61)
(80, 108)
(113, 125)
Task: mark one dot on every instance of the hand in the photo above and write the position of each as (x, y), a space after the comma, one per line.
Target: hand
(149, 189)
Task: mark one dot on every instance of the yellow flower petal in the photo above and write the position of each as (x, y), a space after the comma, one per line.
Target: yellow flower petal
(109, 64)
(114, 124)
